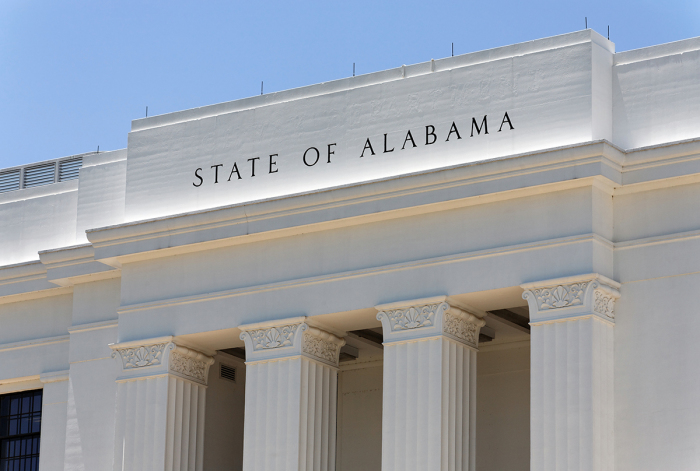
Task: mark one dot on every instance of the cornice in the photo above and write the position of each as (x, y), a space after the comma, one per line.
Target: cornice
(597, 164)
(26, 281)
(4, 347)
(67, 266)
(54, 376)
(110, 324)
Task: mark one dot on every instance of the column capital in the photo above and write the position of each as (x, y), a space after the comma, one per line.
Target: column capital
(285, 338)
(429, 317)
(572, 297)
(160, 356)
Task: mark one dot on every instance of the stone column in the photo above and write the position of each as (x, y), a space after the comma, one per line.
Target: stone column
(571, 382)
(429, 409)
(290, 396)
(160, 406)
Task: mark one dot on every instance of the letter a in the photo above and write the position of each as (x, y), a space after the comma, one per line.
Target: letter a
(506, 118)
(453, 129)
(409, 137)
(234, 169)
(368, 145)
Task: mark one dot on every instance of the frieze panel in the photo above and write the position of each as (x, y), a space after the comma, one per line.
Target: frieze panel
(604, 304)
(142, 356)
(413, 317)
(274, 337)
(189, 367)
(461, 328)
(560, 296)
(320, 348)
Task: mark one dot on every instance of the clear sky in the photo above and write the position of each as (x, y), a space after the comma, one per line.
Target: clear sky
(73, 74)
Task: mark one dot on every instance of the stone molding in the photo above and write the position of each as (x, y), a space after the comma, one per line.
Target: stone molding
(289, 338)
(429, 317)
(572, 297)
(160, 356)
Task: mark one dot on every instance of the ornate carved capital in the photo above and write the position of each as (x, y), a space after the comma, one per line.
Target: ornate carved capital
(273, 337)
(267, 341)
(572, 297)
(190, 363)
(413, 317)
(160, 356)
(141, 356)
(428, 318)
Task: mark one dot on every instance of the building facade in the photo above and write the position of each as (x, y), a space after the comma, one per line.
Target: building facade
(485, 262)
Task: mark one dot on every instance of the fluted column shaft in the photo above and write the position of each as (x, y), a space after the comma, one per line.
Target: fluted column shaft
(572, 373)
(161, 398)
(429, 409)
(291, 396)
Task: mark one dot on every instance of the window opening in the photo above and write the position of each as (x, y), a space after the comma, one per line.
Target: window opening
(20, 429)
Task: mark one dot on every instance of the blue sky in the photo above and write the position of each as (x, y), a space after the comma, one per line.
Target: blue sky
(73, 74)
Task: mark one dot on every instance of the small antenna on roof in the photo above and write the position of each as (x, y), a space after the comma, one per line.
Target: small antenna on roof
(608, 32)
(98, 149)
(586, 22)
(353, 69)
(453, 49)
(147, 112)
(261, 87)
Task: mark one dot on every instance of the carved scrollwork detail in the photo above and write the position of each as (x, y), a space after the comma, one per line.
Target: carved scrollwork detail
(461, 328)
(142, 356)
(560, 296)
(413, 317)
(187, 366)
(604, 303)
(274, 337)
(320, 348)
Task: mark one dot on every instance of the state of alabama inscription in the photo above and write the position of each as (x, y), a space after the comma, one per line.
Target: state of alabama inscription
(427, 136)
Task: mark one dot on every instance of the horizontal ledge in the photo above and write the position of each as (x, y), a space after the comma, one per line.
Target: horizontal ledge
(93, 326)
(54, 376)
(34, 343)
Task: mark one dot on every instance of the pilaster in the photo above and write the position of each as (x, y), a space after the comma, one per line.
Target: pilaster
(429, 409)
(572, 373)
(161, 397)
(53, 420)
(291, 396)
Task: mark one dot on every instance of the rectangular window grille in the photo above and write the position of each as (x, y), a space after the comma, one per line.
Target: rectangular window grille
(20, 430)
(9, 181)
(69, 169)
(227, 372)
(39, 175)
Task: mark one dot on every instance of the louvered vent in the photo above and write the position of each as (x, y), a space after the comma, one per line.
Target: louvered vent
(69, 169)
(227, 372)
(9, 181)
(39, 175)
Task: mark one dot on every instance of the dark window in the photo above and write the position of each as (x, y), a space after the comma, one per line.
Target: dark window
(20, 427)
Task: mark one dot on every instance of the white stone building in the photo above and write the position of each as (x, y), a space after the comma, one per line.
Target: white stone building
(486, 262)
